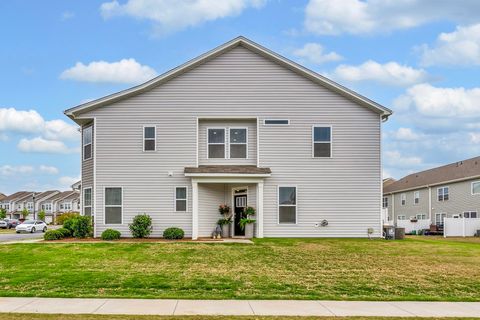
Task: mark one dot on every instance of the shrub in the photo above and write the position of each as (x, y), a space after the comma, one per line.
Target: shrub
(64, 216)
(65, 232)
(141, 227)
(41, 215)
(25, 213)
(173, 233)
(110, 234)
(79, 226)
(68, 224)
(53, 235)
(3, 213)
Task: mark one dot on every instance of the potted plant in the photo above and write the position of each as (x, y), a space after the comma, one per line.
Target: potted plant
(247, 222)
(225, 222)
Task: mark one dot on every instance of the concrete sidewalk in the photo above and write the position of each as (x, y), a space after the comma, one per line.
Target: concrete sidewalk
(240, 307)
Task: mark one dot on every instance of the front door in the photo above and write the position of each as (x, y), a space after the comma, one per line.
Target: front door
(240, 205)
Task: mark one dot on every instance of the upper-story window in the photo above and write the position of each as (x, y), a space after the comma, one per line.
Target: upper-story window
(216, 143)
(322, 142)
(476, 187)
(416, 197)
(87, 143)
(276, 122)
(442, 194)
(403, 199)
(385, 202)
(87, 201)
(238, 143)
(149, 138)
(29, 206)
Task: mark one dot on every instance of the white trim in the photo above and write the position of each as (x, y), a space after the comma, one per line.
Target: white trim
(440, 213)
(420, 216)
(194, 210)
(474, 182)
(83, 201)
(114, 206)
(276, 124)
(217, 143)
(253, 175)
(259, 188)
(175, 198)
(227, 180)
(258, 142)
(414, 198)
(94, 192)
(443, 193)
(287, 205)
(233, 205)
(324, 142)
(154, 138)
(470, 214)
(236, 143)
(196, 142)
(402, 216)
(84, 144)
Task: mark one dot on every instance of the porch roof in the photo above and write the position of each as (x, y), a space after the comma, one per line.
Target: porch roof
(227, 170)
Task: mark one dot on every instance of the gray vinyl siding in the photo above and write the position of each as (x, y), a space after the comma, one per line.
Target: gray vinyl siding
(344, 189)
(460, 199)
(411, 209)
(251, 142)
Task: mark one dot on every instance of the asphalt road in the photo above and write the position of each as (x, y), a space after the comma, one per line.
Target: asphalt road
(10, 235)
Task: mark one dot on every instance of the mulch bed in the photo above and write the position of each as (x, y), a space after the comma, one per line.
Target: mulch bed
(130, 240)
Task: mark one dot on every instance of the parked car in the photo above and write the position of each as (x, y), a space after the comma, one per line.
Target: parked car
(9, 223)
(31, 226)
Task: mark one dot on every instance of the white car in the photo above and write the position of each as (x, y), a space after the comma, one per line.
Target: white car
(31, 226)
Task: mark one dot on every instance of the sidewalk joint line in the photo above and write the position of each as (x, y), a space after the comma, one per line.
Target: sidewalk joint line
(326, 308)
(98, 308)
(25, 304)
(397, 305)
(251, 308)
(175, 308)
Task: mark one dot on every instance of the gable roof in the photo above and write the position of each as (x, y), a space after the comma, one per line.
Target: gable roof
(457, 171)
(239, 41)
(17, 195)
(60, 196)
(2, 196)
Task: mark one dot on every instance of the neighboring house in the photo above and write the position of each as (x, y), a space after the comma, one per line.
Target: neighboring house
(14, 203)
(77, 186)
(448, 191)
(67, 201)
(239, 125)
(2, 196)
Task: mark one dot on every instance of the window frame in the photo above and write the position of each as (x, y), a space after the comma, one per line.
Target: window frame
(470, 214)
(287, 205)
(403, 199)
(416, 200)
(154, 138)
(276, 124)
(402, 217)
(114, 206)
(420, 215)
(175, 198)
(442, 214)
(235, 143)
(385, 201)
(324, 142)
(443, 193)
(216, 143)
(475, 194)
(91, 201)
(90, 128)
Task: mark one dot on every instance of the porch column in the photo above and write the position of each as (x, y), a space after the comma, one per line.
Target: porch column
(260, 209)
(194, 210)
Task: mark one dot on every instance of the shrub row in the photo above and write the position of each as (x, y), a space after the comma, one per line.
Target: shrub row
(110, 234)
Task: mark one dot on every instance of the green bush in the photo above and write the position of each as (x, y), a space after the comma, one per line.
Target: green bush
(173, 233)
(41, 215)
(65, 216)
(110, 234)
(53, 235)
(3, 213)
(141, 227)
(68, 224)
(65, 232)
(79, 226)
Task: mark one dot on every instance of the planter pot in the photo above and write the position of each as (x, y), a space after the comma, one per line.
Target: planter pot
(226, 231)
(249, 230)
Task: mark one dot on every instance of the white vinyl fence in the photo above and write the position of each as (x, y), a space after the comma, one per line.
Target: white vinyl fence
(460, 227)
(411, 226)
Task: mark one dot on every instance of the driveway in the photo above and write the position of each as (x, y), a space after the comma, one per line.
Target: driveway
(10, 235)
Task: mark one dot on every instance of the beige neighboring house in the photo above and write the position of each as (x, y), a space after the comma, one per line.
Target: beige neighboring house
(430, 196)
(14, 203)
(66, 201)
(2, 196)
(239, 125)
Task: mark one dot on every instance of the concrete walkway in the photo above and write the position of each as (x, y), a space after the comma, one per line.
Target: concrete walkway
(240, 307)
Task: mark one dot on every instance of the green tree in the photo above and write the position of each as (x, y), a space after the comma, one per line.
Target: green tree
(25, 213)
(41, 215)
(3, 213)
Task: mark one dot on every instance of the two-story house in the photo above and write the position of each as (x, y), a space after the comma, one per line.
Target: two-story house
(448, 191)
(239, 125)
(66, 201)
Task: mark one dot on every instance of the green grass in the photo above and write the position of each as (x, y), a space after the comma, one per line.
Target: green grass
(13, 316)
(418, 268)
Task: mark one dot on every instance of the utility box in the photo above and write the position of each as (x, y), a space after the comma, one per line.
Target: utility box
(399, 233)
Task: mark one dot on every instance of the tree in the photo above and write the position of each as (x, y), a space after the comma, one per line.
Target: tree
(41, 215)
(25, 213)
(3, 213)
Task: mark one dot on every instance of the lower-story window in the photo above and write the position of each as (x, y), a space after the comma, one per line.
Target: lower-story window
(113, 205)
(180, 198)
(401, 217)
(470, 214)
(439, 218)
(87, 202)
(421, 216)
(287, 204)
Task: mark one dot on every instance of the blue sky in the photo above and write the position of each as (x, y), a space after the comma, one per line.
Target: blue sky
(419, 58)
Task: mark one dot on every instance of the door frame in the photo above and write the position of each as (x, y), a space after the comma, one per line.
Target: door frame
(233, 194)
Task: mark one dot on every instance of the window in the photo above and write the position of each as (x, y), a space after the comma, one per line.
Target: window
(476, 187)
(416, 197)
(87, 202)
(403, 199)
(67, 206)
(287, 205)
(181, 199)
(276, 122)
(87, 143)
(238, 143)
(442, 194)
(421, 216)
(385, 202)
(149, 138)
(29, 206)
(216, 143)
(470, 214)
(61, 206)
(113, 205)
(47, 207)
(322, 142)
(401, 218)
(439, 218)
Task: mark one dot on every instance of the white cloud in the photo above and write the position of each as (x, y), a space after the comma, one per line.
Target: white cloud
(396, 159)
(475, 137)
(41, 145)
(169, 16)
(66, 182)
(123, 71)
(461, 47)
(8, 170)
(67, 15)
(48, 169)
(314, 53)
(390, 73)
(60, 130)
(406, 134)
(373, 16)
(3, 137)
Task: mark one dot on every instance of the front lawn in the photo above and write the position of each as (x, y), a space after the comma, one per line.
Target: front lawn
(419, 268)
